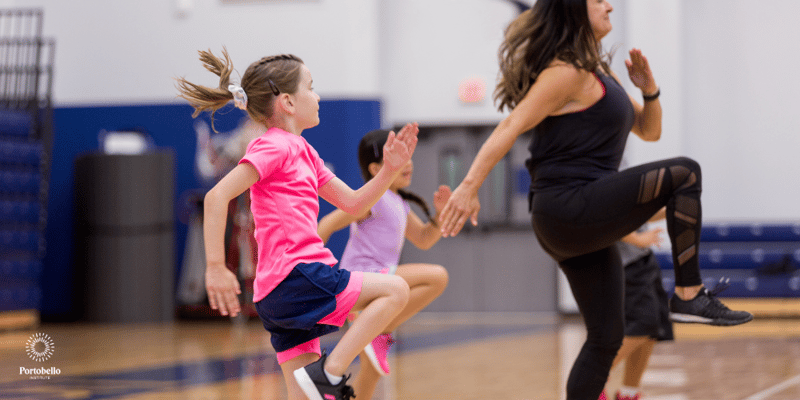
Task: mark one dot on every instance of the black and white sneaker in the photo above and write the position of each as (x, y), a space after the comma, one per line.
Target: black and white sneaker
(316, 385)
(705, 308)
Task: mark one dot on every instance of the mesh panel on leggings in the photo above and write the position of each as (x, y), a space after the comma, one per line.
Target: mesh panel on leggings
(650, 186)
(686, 209)
(683, 214)
(681, 174)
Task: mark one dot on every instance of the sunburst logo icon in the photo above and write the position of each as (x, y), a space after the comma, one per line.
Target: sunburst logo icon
(40, 347)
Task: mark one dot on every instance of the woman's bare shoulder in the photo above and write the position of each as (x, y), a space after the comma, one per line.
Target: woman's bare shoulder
(564, 74)
(564, 69)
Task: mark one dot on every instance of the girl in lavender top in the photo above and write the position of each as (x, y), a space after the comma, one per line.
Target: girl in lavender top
(376, 240)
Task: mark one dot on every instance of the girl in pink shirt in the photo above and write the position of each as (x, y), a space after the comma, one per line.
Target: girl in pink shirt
(299, 291)
(376, 240)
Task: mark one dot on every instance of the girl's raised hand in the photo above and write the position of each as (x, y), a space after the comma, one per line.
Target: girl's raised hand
(399, 148)
(440, 197)
(640, 73)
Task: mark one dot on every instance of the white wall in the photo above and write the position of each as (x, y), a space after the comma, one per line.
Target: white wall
(654, 26)
(729, 96)
(740, 105)
(429, 47)
(129, 51)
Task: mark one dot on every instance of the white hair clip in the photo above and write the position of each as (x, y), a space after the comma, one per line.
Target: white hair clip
(239, 96)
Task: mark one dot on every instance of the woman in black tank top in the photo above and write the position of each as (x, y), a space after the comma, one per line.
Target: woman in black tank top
(556, 83)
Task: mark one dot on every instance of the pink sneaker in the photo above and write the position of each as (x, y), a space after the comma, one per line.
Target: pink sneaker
(602, 396)
(636, 397)
(378, 351)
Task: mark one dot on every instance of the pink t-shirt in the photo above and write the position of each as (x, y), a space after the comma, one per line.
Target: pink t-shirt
(285, 206)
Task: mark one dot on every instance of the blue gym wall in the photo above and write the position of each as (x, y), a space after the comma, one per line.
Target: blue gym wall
(343, 123)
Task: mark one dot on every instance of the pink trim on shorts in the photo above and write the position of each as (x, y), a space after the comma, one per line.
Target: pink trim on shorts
(345, 301)
(311, 346)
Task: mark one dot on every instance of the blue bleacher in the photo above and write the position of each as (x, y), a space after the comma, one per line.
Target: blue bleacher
(19, 211)
(20, 181)
(14, 152)
(23, 295)
(25, 144)
(760, 260)
(20, 267)
(20, 239)
(744, 283)
(739, 255)
(750, 232)
(21, 203)
(16, 124)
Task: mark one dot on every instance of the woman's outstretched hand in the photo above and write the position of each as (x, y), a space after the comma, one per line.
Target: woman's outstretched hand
(440, 197)
(463, 204)
(640, 73)
(399, 148)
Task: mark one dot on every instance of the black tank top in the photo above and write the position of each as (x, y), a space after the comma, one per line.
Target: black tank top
(576, 148)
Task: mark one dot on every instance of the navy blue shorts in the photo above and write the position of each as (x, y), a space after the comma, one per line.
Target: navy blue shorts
(292, 311)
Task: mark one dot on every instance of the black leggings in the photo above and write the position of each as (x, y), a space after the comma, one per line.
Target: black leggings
(578, 227)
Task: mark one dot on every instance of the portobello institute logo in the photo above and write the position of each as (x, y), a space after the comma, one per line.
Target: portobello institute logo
(40, 347)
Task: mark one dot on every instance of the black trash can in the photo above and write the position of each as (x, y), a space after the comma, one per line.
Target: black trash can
(125, 240)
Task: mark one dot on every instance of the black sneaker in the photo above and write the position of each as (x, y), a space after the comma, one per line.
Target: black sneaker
(316, 385)
(705, 308)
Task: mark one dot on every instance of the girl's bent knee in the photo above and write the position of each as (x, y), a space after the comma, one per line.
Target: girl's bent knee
(442, 278)
(399, 290)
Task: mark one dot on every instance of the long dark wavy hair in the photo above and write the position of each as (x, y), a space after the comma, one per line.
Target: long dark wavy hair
(550, 30)
(263, 81)
(370, 150)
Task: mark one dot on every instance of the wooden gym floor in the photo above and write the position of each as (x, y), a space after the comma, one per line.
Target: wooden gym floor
(451, 356)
